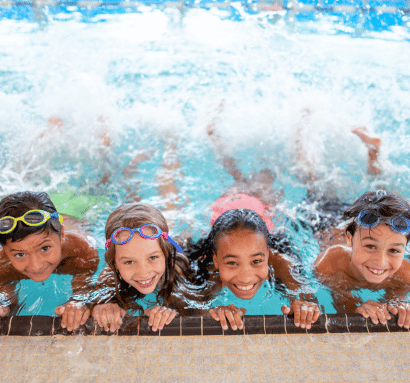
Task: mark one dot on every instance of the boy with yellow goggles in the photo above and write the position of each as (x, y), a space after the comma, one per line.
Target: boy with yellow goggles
(31, 218)
(41, 246)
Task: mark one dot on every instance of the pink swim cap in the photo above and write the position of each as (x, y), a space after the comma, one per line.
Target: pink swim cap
(240, 201)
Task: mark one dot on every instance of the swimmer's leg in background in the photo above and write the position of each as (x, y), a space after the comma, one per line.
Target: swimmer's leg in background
(228, 162)
(306, 172)
(167, 188)
(373, 146)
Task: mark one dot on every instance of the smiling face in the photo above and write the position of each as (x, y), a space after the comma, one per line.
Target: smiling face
(37, 255)
(140, 262)
(242, 260)
(377, 253)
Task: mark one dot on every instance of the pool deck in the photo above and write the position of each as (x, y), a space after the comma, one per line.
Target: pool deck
(32, 351)
(348, 357)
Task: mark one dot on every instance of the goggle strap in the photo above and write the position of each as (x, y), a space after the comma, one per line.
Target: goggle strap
(172, 242)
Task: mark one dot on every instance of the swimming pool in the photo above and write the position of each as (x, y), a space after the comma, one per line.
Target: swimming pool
(145, 73)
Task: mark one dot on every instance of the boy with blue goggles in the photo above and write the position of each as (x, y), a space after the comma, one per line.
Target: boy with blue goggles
(377, 231)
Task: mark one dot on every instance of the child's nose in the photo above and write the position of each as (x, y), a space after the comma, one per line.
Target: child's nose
(35, 264)
(245, 275)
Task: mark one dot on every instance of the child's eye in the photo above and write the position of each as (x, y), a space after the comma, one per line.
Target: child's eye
(153, 257)
(231, 263)
(395, 251)
(371, 247)
(45, 248)
(19, 255)
(128, 262)
(256, 261)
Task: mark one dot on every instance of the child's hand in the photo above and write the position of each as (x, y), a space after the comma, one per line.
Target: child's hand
(109, 316)
(4, 311)
(74, 314)
(232, 313)
(403, 310)
(305, 313)
(376, 311)
(159, 316)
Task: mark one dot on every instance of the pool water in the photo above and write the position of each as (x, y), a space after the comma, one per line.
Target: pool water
(153, 75)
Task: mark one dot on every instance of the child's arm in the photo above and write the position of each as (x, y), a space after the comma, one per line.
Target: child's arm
(331, 269)
(8, 278)
(306, 311)
(81, 261)
(396, 296)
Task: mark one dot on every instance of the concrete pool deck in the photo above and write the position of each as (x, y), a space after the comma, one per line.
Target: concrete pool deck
(349, 357)
(342, 356)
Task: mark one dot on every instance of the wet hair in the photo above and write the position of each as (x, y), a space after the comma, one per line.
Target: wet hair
(134, 215)
(15, 205)
(384, 204)
(235, 219)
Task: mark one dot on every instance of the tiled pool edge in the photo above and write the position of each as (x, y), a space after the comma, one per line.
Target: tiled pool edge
(199, 326)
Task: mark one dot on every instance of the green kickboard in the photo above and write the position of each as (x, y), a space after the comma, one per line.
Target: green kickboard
(76, 205)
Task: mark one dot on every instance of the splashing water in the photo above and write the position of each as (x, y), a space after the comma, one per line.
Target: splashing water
(135, 79)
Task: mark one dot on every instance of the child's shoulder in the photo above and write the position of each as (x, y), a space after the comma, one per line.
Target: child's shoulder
(404, 271)
(335, 258)
(78, 252)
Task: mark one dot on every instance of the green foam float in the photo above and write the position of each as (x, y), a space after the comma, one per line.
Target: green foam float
(76, 205)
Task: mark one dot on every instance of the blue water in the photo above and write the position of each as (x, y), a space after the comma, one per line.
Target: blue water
(153, 71)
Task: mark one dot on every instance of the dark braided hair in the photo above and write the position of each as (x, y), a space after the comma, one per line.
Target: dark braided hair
(201, 252)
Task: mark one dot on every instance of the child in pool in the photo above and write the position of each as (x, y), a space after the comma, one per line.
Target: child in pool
(238, 253)
(142, 259)
(377, 232)
(35, 245)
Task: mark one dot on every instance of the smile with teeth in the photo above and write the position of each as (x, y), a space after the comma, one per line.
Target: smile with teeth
(245, 289)
(376, 271)
(147, 282)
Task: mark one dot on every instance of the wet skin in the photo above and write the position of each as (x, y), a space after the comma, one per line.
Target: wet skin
(377, 254)
(37, 255)
(140, 262)
(242, 261)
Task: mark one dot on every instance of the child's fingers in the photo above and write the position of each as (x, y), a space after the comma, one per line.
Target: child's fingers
(316, 314)
(166, 314)
(231, 319)
(171, 317)
(222, 318)
(309, 317)
(393, 309)
(86, 315)
(79, 313)
(59, 310)
(69, 313)
(237, 315)
(297, 313)
(286, 310)
(4, 311)
(380, 315)
(213, 314)
(156, 316)
(404, 316)
(373, 316)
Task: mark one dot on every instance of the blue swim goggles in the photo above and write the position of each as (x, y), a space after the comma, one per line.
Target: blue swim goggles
(368, 219)
(147, 231)
(31, 218)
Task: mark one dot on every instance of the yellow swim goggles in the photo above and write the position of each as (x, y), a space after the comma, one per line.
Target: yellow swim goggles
(31, 218)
